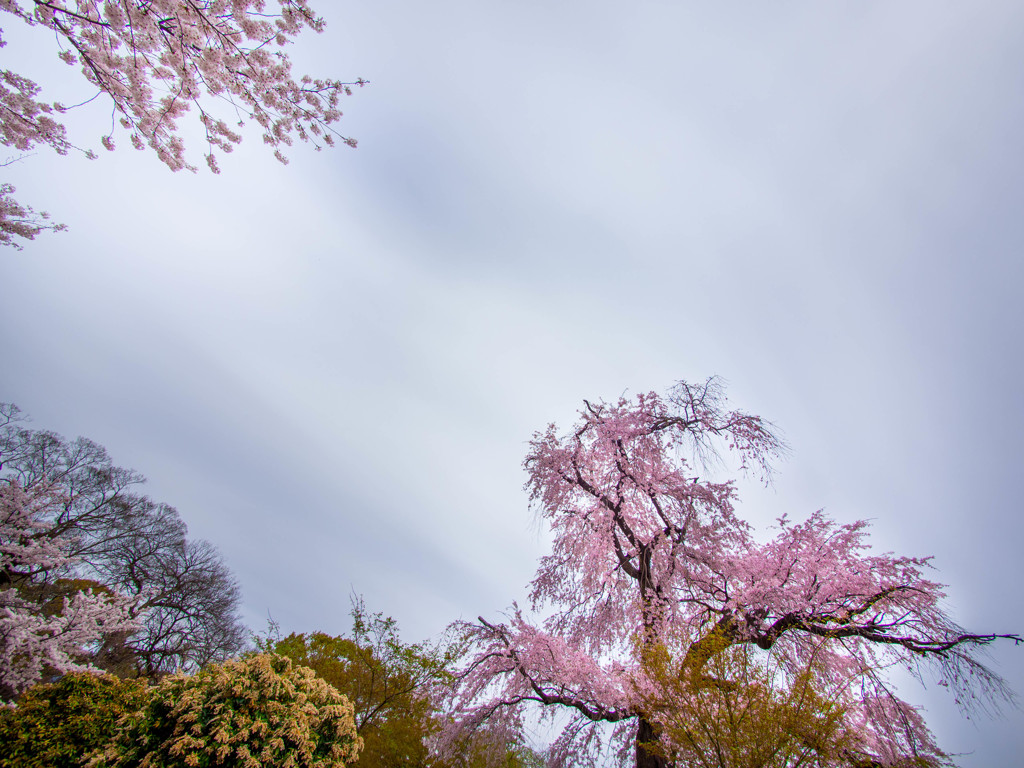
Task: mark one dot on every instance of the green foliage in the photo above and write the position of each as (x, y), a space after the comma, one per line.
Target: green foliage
(390, 683)
(394, 688)
(736, 707)
(56, 724)
(259, 711)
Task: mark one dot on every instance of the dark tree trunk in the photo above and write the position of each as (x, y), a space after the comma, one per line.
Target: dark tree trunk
(646, 731)
(645, 734)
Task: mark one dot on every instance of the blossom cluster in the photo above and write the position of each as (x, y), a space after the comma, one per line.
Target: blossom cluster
(34, 637)
(158, 59)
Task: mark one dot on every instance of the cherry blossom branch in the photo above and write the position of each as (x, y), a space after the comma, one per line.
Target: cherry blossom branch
(591, 712)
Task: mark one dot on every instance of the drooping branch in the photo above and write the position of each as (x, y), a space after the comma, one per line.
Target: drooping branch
(591, 711)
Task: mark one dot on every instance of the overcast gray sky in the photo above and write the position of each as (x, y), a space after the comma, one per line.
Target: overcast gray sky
(332, 368)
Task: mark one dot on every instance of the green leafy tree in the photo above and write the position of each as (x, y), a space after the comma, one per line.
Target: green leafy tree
(55, 724)
(740, 707)
(391, 684)
(259, 711)
(395, 688)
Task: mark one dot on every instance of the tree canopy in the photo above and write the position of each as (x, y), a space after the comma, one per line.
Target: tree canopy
(393, 685)
(398, 691)
(673, 636)
(95, 574)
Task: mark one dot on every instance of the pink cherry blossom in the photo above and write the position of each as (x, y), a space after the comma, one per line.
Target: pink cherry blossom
(649, 549)
(32, 638)
(157, 60)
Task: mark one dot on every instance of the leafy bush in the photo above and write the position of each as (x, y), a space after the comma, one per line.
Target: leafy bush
(391, 684)
(55, 724)
(259, 711)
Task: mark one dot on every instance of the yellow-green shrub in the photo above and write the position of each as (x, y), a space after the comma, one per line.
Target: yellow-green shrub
(259, 711)
(56, 724)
